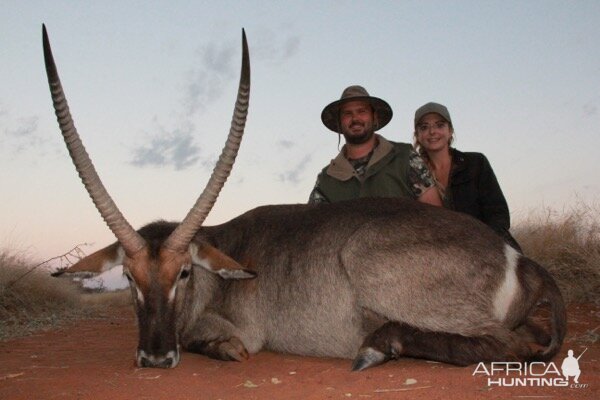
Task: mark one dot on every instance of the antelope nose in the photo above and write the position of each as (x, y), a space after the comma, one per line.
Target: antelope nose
(170, 360)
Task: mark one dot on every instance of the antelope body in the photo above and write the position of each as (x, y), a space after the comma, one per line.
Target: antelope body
(369, 279)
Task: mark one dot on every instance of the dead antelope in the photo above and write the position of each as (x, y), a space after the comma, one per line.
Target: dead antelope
(370, 279)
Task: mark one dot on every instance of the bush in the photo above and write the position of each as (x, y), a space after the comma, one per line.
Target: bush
(38, 301)
(568, 245)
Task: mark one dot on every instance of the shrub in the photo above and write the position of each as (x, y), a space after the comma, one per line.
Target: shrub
(566, 243)
(38, 301)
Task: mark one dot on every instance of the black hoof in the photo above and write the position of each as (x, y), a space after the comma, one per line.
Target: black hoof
(368, 357)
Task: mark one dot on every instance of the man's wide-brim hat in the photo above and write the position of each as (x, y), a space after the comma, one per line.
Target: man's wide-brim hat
(331, 114)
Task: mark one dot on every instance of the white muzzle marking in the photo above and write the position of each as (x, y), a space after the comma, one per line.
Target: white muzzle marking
(143, 358)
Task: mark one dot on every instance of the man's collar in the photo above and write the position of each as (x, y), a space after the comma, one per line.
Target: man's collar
(341, 169)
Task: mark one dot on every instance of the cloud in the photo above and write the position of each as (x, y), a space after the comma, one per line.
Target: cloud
(21, 133)
(285, 144)
(293, 175)
(275, 47)
(176, 148)
(205, 83)
(26, 128)
(292, 45)
(590, 109)
(216, 67)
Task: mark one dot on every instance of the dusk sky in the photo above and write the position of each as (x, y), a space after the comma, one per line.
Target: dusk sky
(152, 84)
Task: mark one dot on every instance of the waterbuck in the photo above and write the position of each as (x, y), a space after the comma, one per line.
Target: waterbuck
(369, 279)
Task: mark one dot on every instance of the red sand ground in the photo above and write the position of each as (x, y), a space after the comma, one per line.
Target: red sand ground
(94, 360)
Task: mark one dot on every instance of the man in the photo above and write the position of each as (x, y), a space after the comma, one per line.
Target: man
(570, 366)
(369, 165)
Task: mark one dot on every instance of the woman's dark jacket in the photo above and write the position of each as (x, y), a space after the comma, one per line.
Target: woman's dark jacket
(473, 189)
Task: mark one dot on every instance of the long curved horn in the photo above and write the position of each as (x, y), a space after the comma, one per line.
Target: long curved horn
(126, 235)
(184, 233)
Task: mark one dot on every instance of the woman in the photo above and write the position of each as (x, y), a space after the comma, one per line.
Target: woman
(465, 181)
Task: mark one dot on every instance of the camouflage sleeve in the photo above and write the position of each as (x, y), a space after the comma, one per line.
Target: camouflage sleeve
(316, 196)
(419, 176)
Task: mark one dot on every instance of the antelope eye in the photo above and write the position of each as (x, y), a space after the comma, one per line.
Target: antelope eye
(184, 274)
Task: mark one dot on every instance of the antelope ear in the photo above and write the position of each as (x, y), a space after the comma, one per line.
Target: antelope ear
(97, 262)
(213, 260)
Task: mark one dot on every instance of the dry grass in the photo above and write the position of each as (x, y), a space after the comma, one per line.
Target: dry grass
(38, 301)
(567, 243)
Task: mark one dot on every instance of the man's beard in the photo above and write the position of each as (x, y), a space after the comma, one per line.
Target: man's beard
(359, 139)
